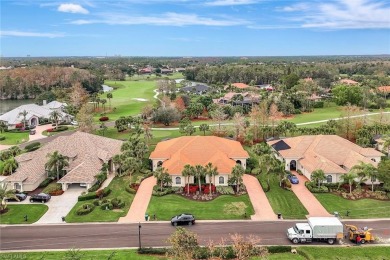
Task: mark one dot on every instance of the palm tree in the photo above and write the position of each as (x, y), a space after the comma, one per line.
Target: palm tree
(199, 173)
(9, 166)
(4, 193)
(211, 171)
(109, 96)
(268, 164)
(237, 173)
(161, 174)
(3, 127)
(15, 150)
(349, 178)
(386, 145)
(204, 128)
(281, 172)
(24, 114)
(131, 165)
(103, 101)
(55, 116)
(318, 176)
(56, 161)
(148, 135)
(261, 148)
(116, 160)
(103, 128)
(362, 170)
(188, 171)
(373, 174)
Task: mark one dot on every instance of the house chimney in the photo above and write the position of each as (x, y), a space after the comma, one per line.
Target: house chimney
(44, 102)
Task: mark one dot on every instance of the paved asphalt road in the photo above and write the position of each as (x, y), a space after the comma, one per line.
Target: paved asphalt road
(152, 234)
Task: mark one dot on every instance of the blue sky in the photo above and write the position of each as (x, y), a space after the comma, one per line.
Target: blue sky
(194, 27)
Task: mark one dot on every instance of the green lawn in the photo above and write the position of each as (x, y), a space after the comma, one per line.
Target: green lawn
(16, 213)
(223, 207)
(14, 138)
(283, 201)
(117, 186)
(123, 97)
(345, 253)
(176, 75)
(318, 114)
(364, 208)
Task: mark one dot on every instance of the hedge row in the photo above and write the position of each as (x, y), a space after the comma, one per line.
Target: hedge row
(32, 145)
(314, 188)
(93, 195)
(2, 137)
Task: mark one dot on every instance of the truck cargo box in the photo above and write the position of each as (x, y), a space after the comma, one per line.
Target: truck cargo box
(325, 227)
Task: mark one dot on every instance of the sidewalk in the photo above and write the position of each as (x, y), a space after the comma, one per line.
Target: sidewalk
(309, 201)
(141, 201)
(260, 203)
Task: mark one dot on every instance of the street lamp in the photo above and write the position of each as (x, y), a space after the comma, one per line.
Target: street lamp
(139, 235)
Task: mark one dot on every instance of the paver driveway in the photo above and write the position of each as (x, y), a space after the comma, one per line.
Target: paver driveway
(59, 206)
(309, 201)
(260, 203)
(141, 201)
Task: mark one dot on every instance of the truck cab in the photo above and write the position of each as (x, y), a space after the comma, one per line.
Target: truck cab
(301, 232)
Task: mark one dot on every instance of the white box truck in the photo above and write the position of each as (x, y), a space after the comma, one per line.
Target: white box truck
(328, 229)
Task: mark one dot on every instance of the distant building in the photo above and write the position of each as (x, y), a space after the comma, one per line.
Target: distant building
(348, 82)
(197, 89)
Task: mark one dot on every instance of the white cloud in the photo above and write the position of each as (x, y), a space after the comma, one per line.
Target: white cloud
(72, 8)
(166, 19)
(343, 14)
(230, 2)
(31, 34)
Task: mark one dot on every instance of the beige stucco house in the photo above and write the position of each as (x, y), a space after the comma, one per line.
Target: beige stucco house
(330, 153)
(199, 150)
(86, 152)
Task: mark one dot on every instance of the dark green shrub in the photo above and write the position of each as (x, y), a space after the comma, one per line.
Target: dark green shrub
(85, 209)
(152, 251)
(130, 190)
(31, 146)
(97, 202)
(157, 192)
(225, 190)
(107, 206)
(121, 205)
(314, 188)
(279, 249)
(52, 188)
(318, 104)
(45, 183)
(297, 111)
(2, 137)
(88, 196)
(106, 191)
(299, 172)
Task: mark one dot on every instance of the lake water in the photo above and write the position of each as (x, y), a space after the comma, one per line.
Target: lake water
(7, 105)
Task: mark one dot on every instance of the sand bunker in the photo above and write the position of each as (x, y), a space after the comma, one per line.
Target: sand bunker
(140, 99)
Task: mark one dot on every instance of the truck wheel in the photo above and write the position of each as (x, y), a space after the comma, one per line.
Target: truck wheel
(363, 241)
(330, 241)
(295, 240)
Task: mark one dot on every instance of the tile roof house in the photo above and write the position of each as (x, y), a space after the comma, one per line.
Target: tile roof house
(34, 112)
(330, 153)
(198, 150)
(348, 82)
(198, 89)
(86, 152)
(384, 89)
(247, 98)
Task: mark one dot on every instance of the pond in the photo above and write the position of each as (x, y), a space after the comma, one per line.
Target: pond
(7, 105)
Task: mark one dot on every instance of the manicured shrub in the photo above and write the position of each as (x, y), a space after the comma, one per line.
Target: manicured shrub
(103, 118)
(52, 187)
(33, 146)
(97, 202)
(318, 104)
(107, 206)
(85, 209)
(157, 191)
(2, 137)
(130, 190)
(225, 190)
(279, 249)
(297, 111)
(88, 196)
(45, 183)
(314, 188)
(152, 251)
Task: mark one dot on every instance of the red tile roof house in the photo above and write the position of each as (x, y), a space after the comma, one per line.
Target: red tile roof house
(384, 89)
(86, 152)
(330, 153)
(348, 82)
(237, 85)
(198, 150)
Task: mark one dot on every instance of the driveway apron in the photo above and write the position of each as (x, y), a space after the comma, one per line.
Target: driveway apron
(309, 201)
(60, 206)
(260, 203)
(141, 201)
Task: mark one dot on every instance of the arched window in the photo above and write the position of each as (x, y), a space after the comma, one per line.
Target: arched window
(178, 180)
(238, 162)
(159, 163)
(329, 178)
(221, 180)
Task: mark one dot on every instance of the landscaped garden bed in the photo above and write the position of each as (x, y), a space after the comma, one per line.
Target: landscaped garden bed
(106, 209)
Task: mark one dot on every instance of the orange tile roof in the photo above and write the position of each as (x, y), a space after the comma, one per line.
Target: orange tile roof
(384, 89)
(349, 81)
(240, 85)
(201, 150)
(326, 152)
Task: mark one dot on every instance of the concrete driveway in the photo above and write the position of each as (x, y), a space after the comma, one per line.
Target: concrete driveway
(59, 206)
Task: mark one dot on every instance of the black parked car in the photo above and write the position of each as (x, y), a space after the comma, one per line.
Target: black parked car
(20, 196)
(41, 197)
(183, 219)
